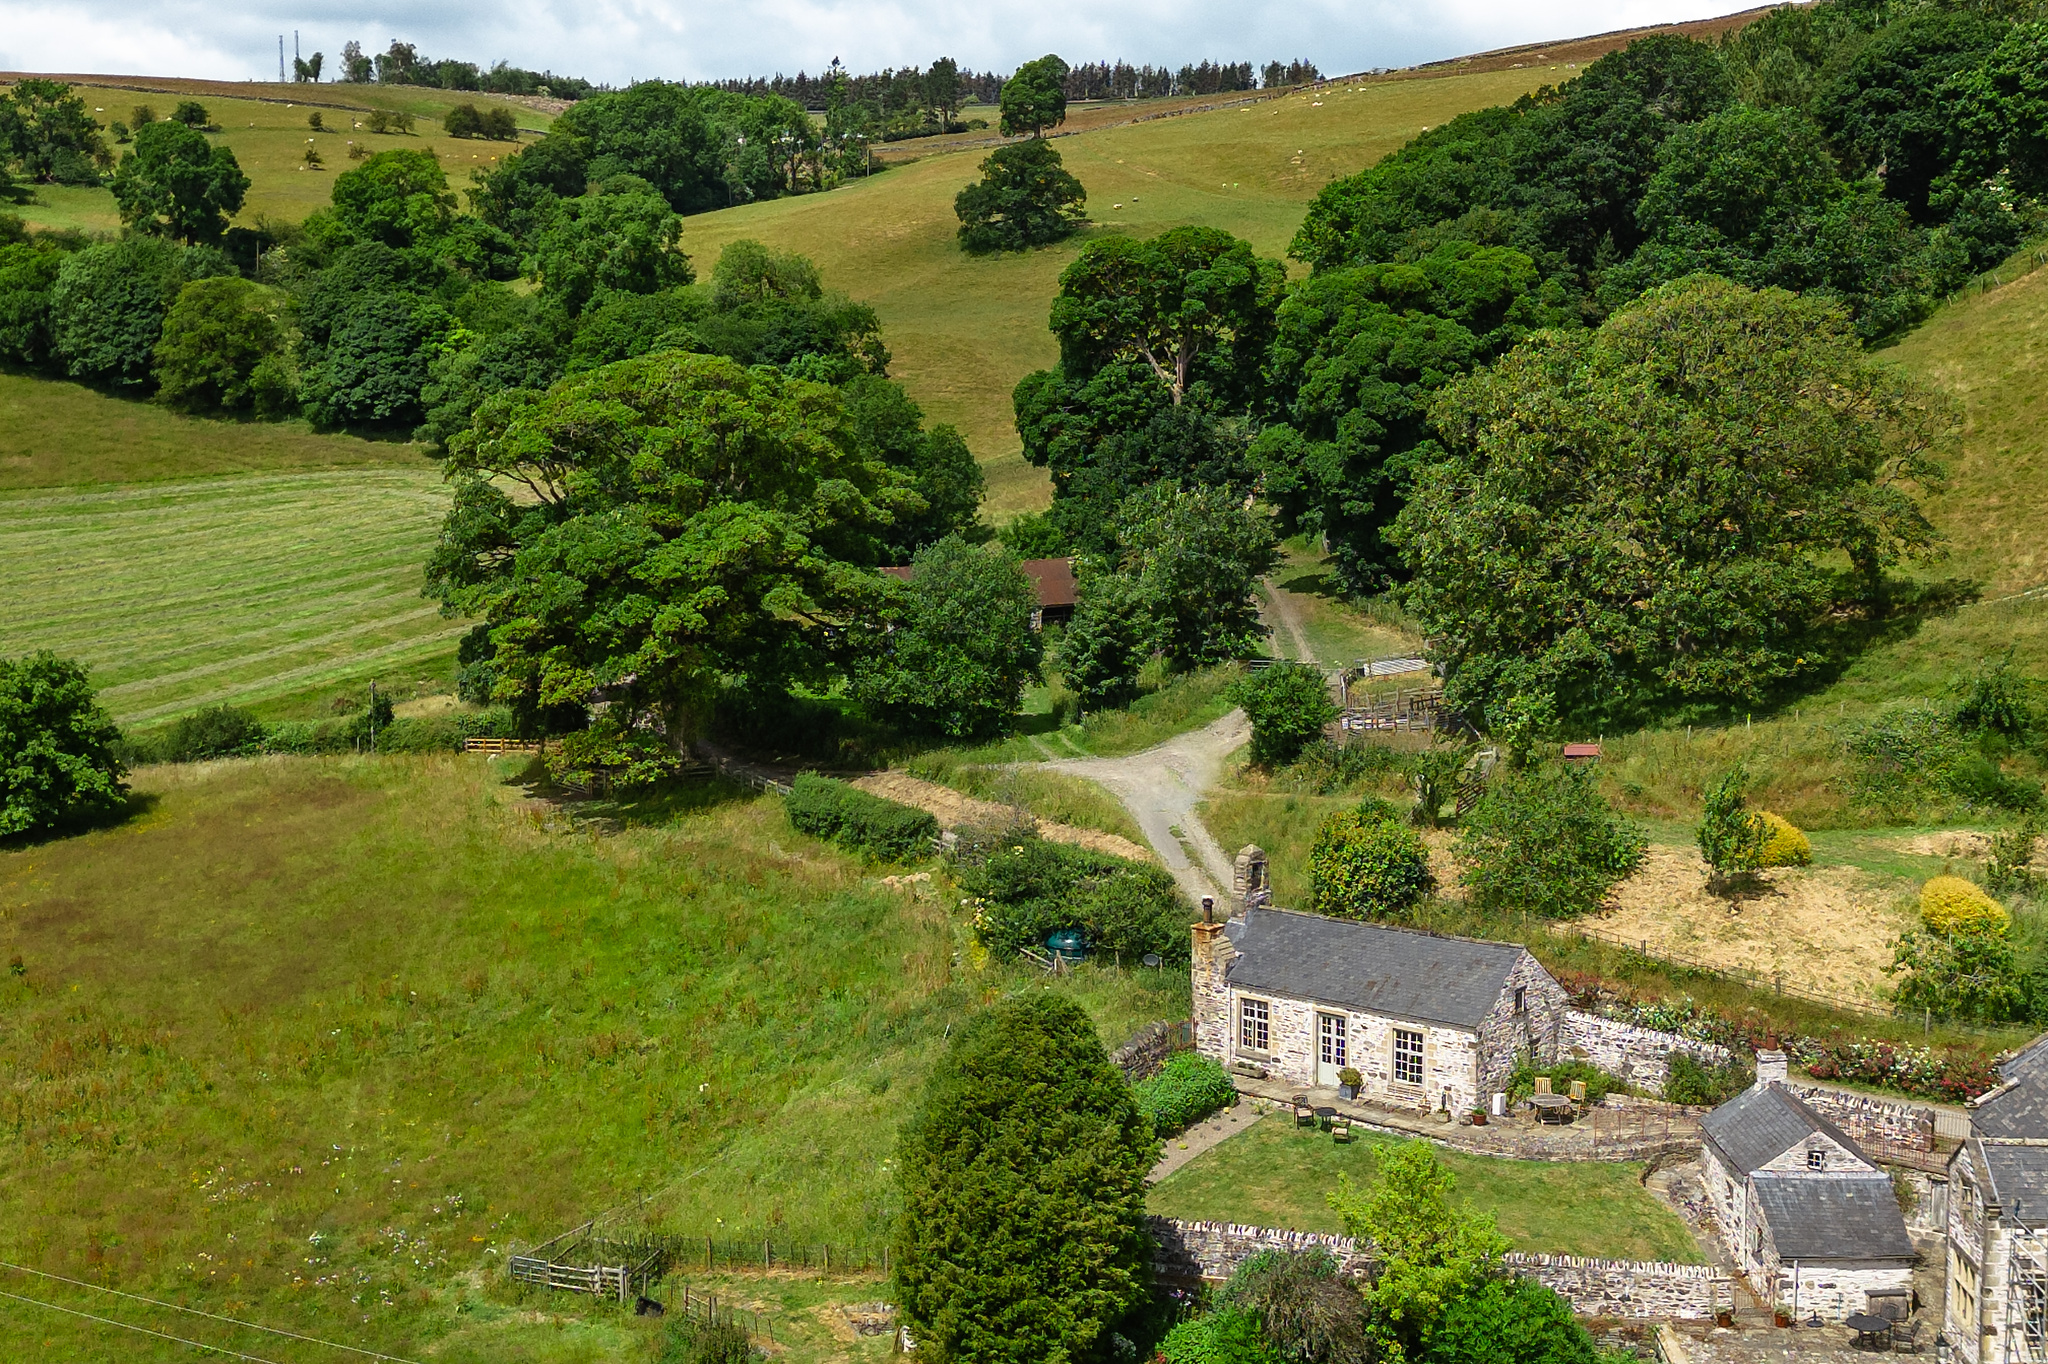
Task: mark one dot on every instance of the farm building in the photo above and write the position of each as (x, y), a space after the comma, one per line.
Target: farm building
(1996, 1307)
(1807, 1216)
(1427, 1021)
(1052, 578)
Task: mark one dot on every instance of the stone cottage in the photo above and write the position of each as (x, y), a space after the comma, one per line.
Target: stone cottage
(1807, 1216)
(1996, 1304)
(1428, 1021)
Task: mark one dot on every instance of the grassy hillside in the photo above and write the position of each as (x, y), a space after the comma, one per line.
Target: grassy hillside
(317, 1041)
(963, 331)
(244, 589)
(269, 136)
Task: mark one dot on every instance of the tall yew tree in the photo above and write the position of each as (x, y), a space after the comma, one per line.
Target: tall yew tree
(1648, 518)
(1022, 1236)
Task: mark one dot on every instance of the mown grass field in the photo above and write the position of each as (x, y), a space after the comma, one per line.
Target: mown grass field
(1276, 1175)
(266, 125)
(316, 1041)
(244, 589)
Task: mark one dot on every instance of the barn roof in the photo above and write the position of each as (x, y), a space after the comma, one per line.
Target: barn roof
(1760, 1124)
(1373, 968)
(1833, 1217)
(1054, 579)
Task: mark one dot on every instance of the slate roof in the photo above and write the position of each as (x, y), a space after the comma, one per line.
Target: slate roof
(1393, 972)
(1838, 1217)
(2016, 1174)
(2028, 1063)
(2019, 1109)
(1760, 1124)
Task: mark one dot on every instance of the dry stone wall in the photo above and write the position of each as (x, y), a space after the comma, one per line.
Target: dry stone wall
(1637, 1055)
(1594, 1288)
(1867, 1118)
(1147, 1051)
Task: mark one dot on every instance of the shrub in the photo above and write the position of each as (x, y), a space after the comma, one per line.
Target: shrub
(1970, 973)
(857, 821)
(1026, 889)
(1231, 1335)
(1731, 839)
(1544, 841)
(1367, 865)
(688, 1340)
(2010, 870)
(1904, 757)
(215, 732)
(1784, 844)
(57, 761)
(1950, 905)
(1509, 1319)
(1022, 1231)
(1980, 781)
(1689, 1080)
(1599, 1084)
(1325, 768)
(1288, 705)
(1187, 1089)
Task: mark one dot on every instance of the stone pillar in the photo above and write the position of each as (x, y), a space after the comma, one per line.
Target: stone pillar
(1771, 1068)
(1212, 954)
(1249, 883)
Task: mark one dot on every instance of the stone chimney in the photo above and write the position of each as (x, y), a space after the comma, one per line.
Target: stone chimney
(1250, 887)
(1771, 1068)
(1212, 953)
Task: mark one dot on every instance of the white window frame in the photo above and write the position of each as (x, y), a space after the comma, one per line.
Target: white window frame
(1339, 1054)
(1255, 1021)
(1404, 1055)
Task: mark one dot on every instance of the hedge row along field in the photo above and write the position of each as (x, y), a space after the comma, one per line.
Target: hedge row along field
(255, 587)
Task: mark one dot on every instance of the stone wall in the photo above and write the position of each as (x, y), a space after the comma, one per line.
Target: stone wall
(1833, 1292)
(1146, 1052)
(1594, 1288)
(1506, 1033)
(1634, 1054)
(1880, 1121)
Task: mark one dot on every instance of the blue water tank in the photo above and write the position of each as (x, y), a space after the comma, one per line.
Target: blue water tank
(1067, 943)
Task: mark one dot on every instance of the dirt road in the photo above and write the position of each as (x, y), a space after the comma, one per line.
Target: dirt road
(1161, 788)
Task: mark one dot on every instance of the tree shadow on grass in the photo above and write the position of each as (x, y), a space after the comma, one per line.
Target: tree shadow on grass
(1843, 638)
(137, 805)
(609, 812)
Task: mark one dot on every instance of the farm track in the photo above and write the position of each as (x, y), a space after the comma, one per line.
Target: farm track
(224, 589)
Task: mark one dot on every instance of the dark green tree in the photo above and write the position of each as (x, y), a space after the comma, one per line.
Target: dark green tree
(375, 361)
(934, 462)
(57, 763)
(1367, 864)
(1305, 1309)
(944, 91)
(1359, 353)
(1025, 198)
(177, 184)
(192, 114)
(658, 131)
(1199, 554)
(1114, 630)
(1191, 305)
(399, 198)
(1035, 98)
(954, 653)
(1022, 1235)
(2001, 112)
(1542, 840)
(519, 196)
(685, 523)
(1288, 705)
(1645, 518)
(623, 237)
(1742, 176)
(750, 273)
(108, 305)
(28, 274)
(227, 347)
(51, 135)
(1730, 836)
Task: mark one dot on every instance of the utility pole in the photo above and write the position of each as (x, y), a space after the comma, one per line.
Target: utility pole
(295, 54)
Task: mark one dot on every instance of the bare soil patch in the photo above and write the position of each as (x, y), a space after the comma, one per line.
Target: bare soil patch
(954, 810)
(1818, 928)
(1958, 843)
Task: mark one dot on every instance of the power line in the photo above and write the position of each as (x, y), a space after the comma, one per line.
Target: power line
(194, 1311)
(160, 1335)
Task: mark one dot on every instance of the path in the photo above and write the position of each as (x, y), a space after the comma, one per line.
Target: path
(1183, 1148)
(1161, 788)
(953, 810)
(1280, 602)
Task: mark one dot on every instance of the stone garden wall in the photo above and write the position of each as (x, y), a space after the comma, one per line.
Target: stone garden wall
(1149, 1047)
(1594, 1288)
(1870, 1119)
(1634, 1054)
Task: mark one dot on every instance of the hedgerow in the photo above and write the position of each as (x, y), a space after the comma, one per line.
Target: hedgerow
(1023, 888)
(857, 821)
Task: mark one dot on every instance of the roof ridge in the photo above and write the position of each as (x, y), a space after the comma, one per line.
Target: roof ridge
(1390, 928)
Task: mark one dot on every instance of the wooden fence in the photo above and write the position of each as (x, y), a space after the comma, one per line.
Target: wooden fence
(504, 745)
(576, 1261)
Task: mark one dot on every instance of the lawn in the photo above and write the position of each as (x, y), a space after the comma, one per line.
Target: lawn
(315, 1041)
(243, 589)
(1276, 1175)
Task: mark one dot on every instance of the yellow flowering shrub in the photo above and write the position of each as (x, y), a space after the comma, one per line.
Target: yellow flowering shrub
(1949, 905)
(1784, 844)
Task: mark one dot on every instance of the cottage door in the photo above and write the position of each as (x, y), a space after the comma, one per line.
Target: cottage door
(1332, 1049)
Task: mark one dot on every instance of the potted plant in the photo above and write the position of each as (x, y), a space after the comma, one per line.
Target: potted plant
(1348, 1082)
(1479, 1115)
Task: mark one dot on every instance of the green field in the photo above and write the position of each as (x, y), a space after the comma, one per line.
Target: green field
(269, 135)
(1276, 1175)
(242, 589)
(316, 1041)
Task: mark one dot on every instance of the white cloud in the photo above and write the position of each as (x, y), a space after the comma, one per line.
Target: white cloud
(620, 40)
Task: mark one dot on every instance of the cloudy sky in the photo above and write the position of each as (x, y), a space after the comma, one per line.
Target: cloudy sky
(621, 40)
